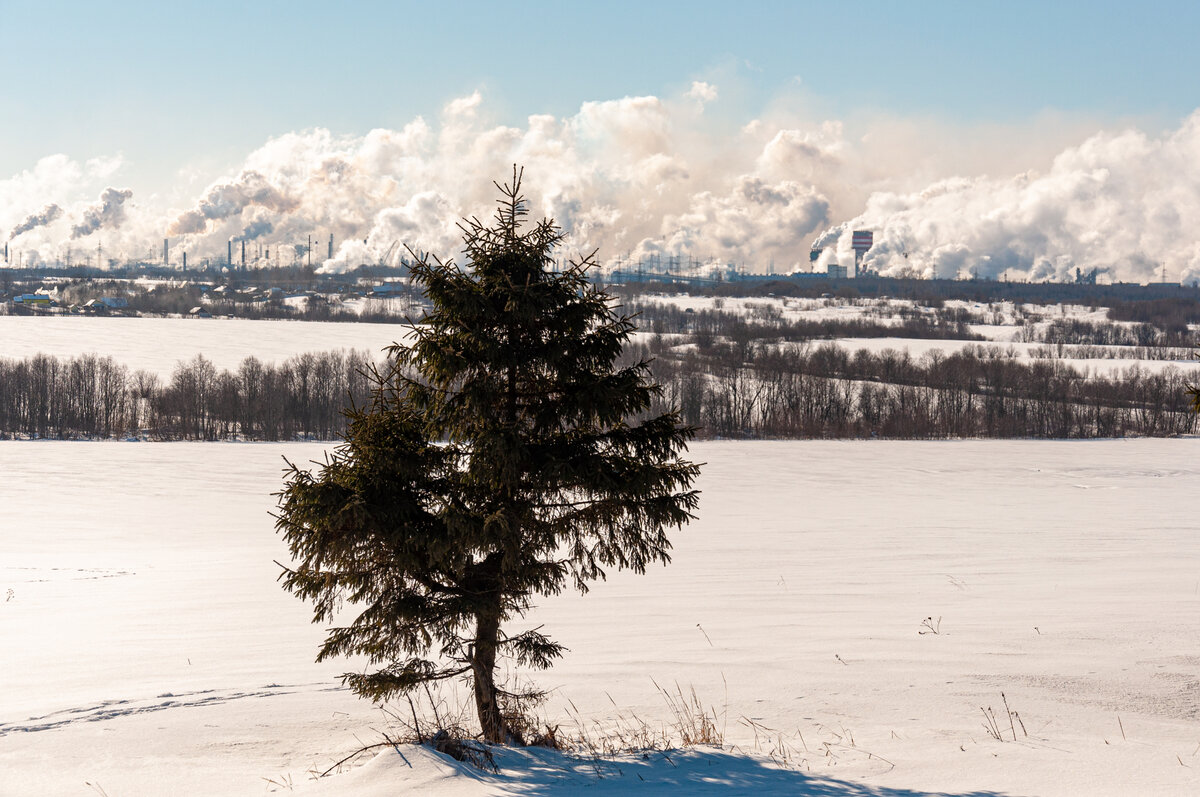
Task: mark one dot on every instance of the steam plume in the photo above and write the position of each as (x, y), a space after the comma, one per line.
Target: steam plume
(40, 219)
(108, 212)
(675, 176)
(1124, 203)
(256, 229)
(229, 199)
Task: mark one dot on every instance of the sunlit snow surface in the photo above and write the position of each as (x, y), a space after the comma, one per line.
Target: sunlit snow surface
(158, 344)
(148, 650)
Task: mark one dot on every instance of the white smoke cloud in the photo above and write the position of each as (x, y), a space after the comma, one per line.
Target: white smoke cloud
(772, 215)
(702, 92)
(669, 176)
(53, 180)
(464, 106)
(256, 229)
(103, 167)
(109, 211)
(52, 174)
(230, 199)
(1124, 203)
(40, 219)
(615, 175)
(815, 156)
(426, 223)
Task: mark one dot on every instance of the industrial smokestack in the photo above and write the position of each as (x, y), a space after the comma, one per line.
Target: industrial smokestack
(165, 243)
(330, 247)
(861, 241)
(243, 254)
(229, 256)
(185, 262)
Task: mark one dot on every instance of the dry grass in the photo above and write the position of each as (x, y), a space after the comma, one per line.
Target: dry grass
(444, 720)
(995, 727)
(691, 724)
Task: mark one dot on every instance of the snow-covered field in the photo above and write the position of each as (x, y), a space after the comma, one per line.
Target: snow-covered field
(147, 649)
(157, 344)
(881, 310)
(1024, 352)
(1005, 333)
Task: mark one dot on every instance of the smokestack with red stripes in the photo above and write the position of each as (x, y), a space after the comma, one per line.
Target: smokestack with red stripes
(862, 242)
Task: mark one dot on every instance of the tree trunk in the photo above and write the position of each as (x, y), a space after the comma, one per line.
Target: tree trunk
(483, 666)
(487, 618)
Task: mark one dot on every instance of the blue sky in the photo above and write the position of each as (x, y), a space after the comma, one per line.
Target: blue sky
(172, 83)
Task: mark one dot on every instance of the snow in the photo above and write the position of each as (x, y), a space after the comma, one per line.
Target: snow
(1023, 352)
(697, 771)
(885, 312)
(787, 308)
(157, 344)
(149, 649)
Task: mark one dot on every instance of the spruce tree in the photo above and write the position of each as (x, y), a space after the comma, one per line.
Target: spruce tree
(505, 455)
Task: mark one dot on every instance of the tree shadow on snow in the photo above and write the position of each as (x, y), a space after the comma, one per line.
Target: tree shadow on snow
(694, 771)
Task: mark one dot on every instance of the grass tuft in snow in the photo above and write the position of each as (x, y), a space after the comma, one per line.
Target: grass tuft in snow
(994, 727)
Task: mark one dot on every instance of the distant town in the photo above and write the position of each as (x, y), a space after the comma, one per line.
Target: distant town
(381, 291)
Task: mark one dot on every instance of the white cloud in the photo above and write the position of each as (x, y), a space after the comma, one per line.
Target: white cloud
(702, 92)
(464, 106)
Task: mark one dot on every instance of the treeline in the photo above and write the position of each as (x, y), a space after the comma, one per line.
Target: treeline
(95, 397)
(178, 298)
(728, 387)
(930, 290)
(767, 323)
(1170, 315)
(1087, 351)
(805, 391)
(1080, 332)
